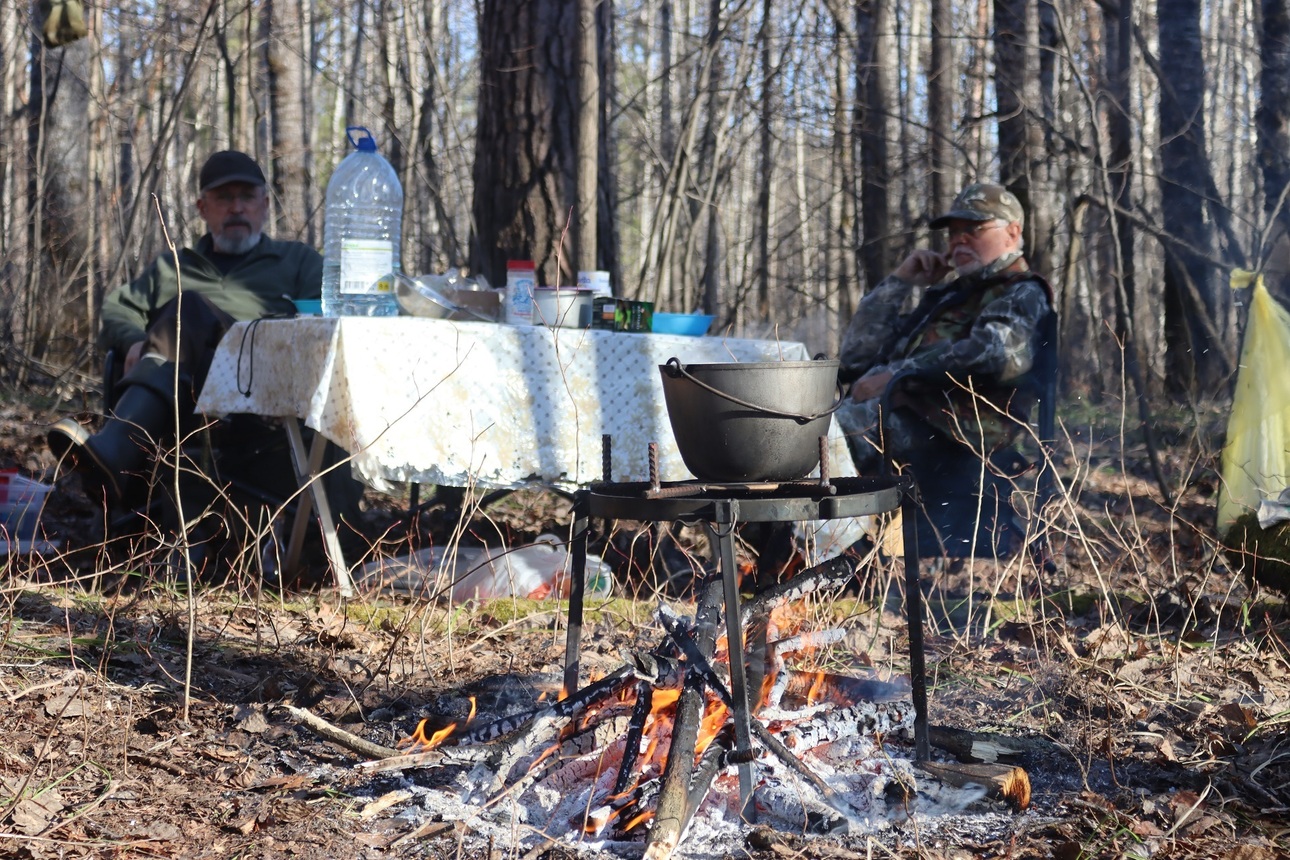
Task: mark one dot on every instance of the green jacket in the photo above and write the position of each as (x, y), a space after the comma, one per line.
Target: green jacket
(261, 284)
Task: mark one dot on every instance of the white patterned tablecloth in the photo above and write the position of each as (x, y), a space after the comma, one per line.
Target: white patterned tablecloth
(472, 403)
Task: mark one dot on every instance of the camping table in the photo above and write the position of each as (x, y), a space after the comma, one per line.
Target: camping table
(464, 403)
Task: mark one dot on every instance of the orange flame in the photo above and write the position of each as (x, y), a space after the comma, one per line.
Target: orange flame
(418, 737)
(817, 684)
(640, 819)
(712, 722)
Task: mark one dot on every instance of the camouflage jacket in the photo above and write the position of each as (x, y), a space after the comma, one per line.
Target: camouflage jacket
(976, 332)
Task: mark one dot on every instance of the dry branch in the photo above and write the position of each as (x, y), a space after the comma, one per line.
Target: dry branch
(351, 742)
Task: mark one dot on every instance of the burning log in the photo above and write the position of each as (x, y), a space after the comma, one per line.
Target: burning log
(1000, 781)
(769, 741)
(843, 690)
(635, 733)
(645, 745)
(832, 574)
(672, 813)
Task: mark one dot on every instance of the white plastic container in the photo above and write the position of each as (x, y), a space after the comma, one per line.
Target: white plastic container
(521, 278)
(597, 282)
(563, 307)
(362, 233)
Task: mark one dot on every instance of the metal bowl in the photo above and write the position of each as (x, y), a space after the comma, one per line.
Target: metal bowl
(420, 297)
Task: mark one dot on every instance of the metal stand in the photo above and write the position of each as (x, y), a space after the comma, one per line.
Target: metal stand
(720, 509)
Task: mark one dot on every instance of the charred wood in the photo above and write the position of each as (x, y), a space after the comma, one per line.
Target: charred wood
(968, 746)
(1000, 781)
(670, 816)
(862, 718)
(592, 694)
(797, 811)
(635, 732)
(711, 763)
(832, 574)
(349, 741)
(844, 690)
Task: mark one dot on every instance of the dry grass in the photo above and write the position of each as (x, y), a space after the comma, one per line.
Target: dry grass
(1145, 659)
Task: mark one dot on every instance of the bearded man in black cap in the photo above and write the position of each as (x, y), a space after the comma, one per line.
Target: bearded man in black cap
(964, 323)
(234, 272)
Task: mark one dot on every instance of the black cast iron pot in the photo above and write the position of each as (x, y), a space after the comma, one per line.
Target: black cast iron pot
(755, 421)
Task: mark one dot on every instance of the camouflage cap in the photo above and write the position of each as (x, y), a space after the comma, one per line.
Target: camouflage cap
(982, 202)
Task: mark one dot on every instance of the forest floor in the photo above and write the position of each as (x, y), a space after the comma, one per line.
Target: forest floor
(142, 719)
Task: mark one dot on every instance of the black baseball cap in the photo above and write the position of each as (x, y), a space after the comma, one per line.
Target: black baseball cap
(229, 166)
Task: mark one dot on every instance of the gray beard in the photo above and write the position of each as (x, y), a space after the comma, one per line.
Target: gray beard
(227, 246)
(977, 267)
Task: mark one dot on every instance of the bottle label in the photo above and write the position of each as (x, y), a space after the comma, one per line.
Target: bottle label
(364, 263)
(519, 297)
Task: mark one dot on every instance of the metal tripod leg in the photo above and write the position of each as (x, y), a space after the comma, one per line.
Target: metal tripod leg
(577, 588)
(723, 533)
(914, 612)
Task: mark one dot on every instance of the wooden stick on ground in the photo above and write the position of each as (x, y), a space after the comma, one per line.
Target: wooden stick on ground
(351, 742)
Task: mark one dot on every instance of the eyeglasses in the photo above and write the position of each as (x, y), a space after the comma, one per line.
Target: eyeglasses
(973, 231)
(226, 197)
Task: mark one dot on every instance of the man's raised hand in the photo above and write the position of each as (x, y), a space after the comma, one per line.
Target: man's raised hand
(923, 267)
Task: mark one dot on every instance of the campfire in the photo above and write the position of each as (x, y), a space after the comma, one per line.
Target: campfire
(649, 755)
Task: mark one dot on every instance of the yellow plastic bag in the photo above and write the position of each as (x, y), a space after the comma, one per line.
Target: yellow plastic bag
(1256, 455)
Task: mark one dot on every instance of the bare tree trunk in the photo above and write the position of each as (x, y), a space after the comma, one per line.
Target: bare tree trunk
(283, 41)
(1193, 359)
(1273, 119)
(608, 244)
(873, 112)
(766, 167)
(1016, 81)
(846, 229)
(588, 138)
(57, 196)
(524, 161)
(941, 75)
(710, 155)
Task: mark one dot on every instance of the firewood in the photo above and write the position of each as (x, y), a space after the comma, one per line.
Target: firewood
(1000, 781)
(338, 735)
(672, 813)
(968, 746)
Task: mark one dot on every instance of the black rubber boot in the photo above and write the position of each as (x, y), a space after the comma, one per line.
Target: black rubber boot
(109, 459)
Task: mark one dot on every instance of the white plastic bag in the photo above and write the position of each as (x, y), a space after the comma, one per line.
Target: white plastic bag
(535, 571)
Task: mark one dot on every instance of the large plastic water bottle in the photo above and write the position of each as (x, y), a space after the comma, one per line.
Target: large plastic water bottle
(362, 234)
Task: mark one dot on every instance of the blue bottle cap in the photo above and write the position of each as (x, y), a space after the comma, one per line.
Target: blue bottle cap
(365, 143)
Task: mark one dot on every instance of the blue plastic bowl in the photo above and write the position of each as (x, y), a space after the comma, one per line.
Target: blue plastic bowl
(694, 325)
(308, 307)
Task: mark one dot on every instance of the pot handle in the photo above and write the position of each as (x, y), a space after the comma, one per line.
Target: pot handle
(676, 369)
